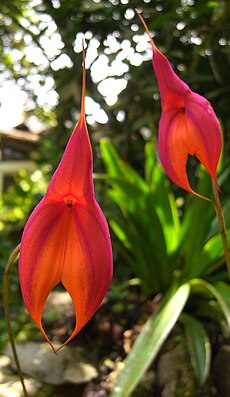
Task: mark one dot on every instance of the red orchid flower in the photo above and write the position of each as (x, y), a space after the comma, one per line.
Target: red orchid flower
(66, 238)
(188, 124)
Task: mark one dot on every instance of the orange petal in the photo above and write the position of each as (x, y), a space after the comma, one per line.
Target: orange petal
(177, 138)
(66, 237)
(74, 173)
(71, 245)
(188, 124)
(41, 255)
(87, 276)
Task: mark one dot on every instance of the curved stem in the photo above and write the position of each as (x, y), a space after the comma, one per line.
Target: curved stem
(12, 259)
(221, 220)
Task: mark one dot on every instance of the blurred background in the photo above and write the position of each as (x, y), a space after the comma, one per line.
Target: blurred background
(40, 98)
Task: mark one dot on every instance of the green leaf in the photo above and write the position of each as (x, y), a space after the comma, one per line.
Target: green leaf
(163, 199)
(221, 292)
(151, 339)
(196, 224)
(150, 161)
(110, 158)
(149, 226)
(211, 254)
(198, 345)
(116, 167)
(165, 207)
(119, 229)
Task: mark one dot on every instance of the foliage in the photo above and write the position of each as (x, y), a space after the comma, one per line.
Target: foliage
(151, 338)
(169, 254)
(15, 205)
(194, 35)
(155, 239)
(143, 225)
(171, 242)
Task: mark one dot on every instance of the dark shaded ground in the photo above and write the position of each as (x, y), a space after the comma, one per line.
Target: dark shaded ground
(108, 337)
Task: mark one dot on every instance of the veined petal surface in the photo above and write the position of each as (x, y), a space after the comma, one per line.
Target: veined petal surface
(188, 124)
(74, 173)
(68, 245)
(66, 239)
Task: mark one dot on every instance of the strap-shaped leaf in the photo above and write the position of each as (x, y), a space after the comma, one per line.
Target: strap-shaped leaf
(116, 167)
(211, 255)
(162, 199)
(150, 161)
(198, 345)
(151, 339)
(221, 292)
(193, 231)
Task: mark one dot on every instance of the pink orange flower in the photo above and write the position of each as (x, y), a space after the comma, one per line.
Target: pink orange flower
(188, 124)
(66, 238)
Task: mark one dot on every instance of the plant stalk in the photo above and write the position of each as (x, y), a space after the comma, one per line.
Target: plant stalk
(12, 260)
(221, 220)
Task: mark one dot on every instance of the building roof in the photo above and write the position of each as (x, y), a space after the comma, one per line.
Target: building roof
(21, 133)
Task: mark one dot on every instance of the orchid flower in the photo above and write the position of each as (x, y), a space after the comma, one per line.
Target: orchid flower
(66, 239)
(188, 124)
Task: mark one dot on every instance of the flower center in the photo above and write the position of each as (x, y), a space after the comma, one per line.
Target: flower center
(69, 202)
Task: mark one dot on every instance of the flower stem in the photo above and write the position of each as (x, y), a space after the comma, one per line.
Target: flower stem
(221, 220)
(11, 261)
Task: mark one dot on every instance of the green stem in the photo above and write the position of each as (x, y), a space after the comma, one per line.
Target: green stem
(221, 220)
(12, 259)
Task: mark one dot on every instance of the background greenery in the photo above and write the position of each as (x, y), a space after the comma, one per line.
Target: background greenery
(195, 37)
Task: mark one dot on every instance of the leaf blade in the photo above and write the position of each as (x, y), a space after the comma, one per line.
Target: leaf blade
(198, 345)
(151, 339)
